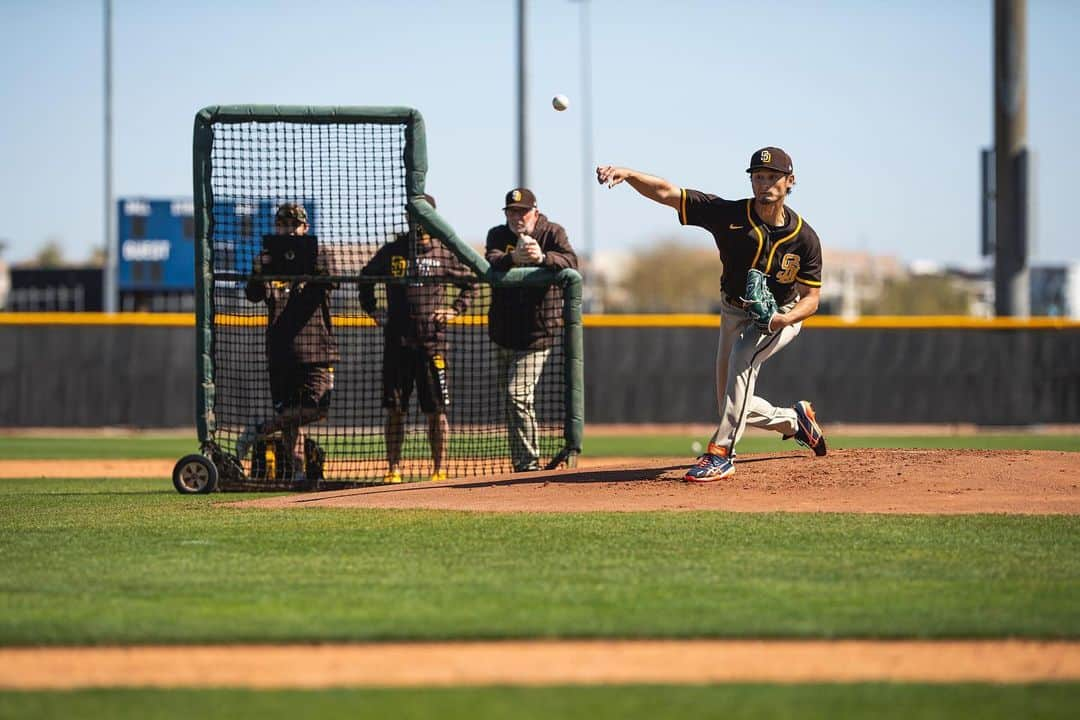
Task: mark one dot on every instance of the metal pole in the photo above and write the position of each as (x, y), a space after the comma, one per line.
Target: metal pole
(987, 201)
(1011, 294)
(587, 157)
(522, 138)
(110, 233)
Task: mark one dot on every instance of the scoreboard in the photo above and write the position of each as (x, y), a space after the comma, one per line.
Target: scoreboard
(156, 247)
(156, 241)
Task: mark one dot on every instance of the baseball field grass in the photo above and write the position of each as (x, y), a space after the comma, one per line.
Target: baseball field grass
(129, 561)
(732, 702)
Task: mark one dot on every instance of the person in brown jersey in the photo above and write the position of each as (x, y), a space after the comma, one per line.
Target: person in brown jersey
(414, 336)
(756, 232)
(300, 349)
(524, 322)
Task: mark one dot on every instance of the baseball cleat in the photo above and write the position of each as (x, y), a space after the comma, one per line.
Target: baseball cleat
(392, 478)
(438, 476)
(301, 482)
(710, 467)
(245, 441)
(808, 434)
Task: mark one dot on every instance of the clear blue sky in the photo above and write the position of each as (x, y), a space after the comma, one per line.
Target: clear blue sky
(883, 105)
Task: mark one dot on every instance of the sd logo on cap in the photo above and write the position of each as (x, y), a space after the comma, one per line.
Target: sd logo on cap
(771, 158)
(520, 198)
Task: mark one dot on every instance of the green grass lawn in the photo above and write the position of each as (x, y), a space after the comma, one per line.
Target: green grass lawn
(145, 447)
(138, 447)
(131, 561)
(732, 702)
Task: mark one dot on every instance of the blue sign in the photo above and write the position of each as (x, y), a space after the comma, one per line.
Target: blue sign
(157, 240)
(156, 244)
(238, 229)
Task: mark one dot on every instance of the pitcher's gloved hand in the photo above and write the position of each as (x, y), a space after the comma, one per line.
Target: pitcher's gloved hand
(760, 303)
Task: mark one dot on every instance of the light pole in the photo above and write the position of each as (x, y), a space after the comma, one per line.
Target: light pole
(522, 134)
(110, 236)
(1011, 293)
(586, 132)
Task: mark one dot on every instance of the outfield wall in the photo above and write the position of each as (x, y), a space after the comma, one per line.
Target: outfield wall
(97, 375)
(1000, 376)
(89, 370)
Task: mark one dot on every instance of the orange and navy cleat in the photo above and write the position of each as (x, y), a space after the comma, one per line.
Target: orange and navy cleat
(712, 466)
(809, 433)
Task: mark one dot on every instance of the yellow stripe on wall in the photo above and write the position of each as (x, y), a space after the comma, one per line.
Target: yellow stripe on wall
(911, 322)
(867, 322)
(338, 320)
(960, 322)
(240, 320)
(95, 318)
(651, 321)
(180, 319)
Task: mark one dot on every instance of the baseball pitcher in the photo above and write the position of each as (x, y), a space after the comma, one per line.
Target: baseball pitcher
(770, 284)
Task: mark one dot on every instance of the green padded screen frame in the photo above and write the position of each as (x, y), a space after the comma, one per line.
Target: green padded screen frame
(416, 172)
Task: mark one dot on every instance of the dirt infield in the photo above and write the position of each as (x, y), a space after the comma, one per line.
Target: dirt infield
(870, 481)
(865, 480)
(103, 469)
(540, 663)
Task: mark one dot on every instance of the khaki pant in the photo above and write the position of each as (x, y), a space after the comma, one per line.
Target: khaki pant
(739, 357)
(520, 371)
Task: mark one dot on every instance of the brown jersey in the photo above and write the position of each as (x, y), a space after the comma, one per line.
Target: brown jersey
(411, 305)
(527, 318)
(787, 254)
(299, 329)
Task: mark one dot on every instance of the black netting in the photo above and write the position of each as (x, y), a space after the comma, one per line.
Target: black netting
(350, 180)
(349, 177)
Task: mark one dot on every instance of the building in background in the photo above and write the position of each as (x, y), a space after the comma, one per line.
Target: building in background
(604, 272)
(850, 278)
(5, 282)
(156, 272)
(1055, 290)
(66, 289)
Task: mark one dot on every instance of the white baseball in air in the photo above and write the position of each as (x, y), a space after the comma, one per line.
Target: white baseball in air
(560, 102)
(695, 446)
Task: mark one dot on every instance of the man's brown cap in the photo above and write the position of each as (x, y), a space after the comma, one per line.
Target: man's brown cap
(520, 198)
(771, 158)
(292, 211)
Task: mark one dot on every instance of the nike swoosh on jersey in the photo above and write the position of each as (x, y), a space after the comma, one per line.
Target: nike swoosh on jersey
(735, 227)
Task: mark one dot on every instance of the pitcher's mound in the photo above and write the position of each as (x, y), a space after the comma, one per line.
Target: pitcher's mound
(872, 480)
